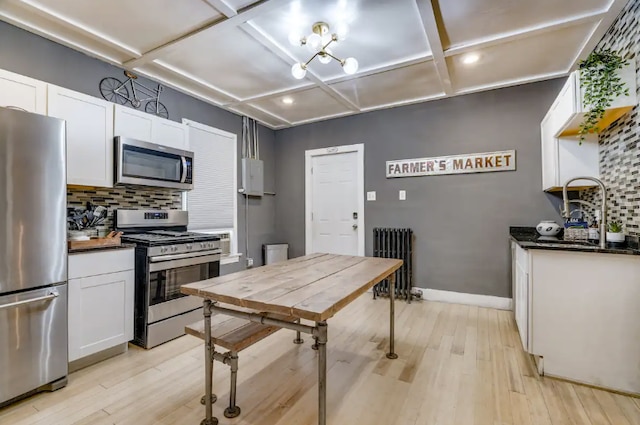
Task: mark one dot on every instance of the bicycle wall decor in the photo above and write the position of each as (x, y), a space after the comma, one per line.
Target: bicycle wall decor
(117, 91)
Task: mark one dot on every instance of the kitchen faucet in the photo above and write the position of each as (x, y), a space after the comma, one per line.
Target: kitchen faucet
(566, 213)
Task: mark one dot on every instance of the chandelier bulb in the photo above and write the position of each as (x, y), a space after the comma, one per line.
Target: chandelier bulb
(323, 57)
(299, 70)
(314, 43)
(350, 66)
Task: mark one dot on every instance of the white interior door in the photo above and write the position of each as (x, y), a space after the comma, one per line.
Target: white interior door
(335, 201)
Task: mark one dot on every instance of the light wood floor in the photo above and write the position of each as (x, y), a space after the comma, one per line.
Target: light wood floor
(458, 365)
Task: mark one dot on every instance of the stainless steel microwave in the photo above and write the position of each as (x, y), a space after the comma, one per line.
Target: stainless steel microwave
(149, 164)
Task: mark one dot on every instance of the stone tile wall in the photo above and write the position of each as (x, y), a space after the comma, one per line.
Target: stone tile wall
(124, 197)
(619, 144)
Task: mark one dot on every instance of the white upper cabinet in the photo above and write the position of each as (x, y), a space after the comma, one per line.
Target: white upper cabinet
(571, 108)
(139, 125)
(170, 133)
(23, 92)
(89, 136)
(563, 157)
(133, 124)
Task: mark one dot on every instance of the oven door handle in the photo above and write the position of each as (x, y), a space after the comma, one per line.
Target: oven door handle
(158, 258)
(168, 264)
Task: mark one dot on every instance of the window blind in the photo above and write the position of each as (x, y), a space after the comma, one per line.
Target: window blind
(212, 202)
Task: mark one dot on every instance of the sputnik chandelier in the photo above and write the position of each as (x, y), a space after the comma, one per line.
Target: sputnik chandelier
(318, 43)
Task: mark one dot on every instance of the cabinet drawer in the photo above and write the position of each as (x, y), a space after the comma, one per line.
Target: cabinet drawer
(97, 263)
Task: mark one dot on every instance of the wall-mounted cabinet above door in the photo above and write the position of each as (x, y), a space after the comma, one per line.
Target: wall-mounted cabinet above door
(89, 136)
(23, 92)
(138, 125)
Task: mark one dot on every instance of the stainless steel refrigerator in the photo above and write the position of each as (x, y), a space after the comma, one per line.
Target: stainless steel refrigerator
(33, 254)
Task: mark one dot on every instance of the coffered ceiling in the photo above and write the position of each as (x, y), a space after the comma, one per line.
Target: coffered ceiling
(235, 53)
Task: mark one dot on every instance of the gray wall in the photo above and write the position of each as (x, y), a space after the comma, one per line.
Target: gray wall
(36, 57)
(461, 222)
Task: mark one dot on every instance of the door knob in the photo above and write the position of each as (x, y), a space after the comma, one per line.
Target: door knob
(355, 226)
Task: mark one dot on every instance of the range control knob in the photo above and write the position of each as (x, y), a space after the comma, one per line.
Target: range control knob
(189, 246)
(163, 249)
(203, 245)
(174, 248)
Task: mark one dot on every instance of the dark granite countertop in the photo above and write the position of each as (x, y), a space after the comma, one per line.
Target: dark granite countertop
(101, 248)
(528, 238)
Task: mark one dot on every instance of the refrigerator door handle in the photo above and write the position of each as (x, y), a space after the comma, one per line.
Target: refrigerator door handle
(52, 295)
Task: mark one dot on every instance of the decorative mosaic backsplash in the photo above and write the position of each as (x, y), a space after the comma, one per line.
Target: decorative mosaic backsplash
(619, 144)
(124, 197)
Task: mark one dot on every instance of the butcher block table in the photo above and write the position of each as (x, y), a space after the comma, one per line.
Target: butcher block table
(314, 287)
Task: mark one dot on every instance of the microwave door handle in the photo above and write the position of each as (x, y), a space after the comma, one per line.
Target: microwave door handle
(184, 169)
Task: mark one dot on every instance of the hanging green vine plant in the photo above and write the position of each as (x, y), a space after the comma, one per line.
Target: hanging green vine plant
(601, 82)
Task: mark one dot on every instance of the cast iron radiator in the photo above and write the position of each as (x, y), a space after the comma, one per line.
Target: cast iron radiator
(395, 243)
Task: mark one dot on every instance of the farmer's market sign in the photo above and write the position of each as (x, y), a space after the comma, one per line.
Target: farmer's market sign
(455, 164)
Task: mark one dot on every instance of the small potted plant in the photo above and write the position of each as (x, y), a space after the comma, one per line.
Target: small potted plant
(614, 232)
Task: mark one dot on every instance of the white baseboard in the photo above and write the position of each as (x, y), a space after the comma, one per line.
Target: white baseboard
(499, 303)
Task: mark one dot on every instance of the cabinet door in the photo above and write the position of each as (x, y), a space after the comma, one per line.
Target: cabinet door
(23, 92)
(100, 313)
(170, 133)
(565, 105)
(522, 305)
(133, 124)
(89, 136)
(549, 145)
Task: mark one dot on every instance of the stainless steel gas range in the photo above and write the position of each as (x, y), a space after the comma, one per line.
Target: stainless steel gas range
(167, 256)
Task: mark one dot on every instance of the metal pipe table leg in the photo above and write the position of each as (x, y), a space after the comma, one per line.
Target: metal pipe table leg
(208, 367)
(392, 297)
(322, 372)
(298, 339)
(232, 411)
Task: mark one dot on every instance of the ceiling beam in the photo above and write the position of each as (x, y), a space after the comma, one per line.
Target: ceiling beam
(193, 79)
(599, 31)
(210, 26)
(430, 24)
(222, 7)
(275, 48)
(513, 82)
(93, 51)
(371, 71)
(390, 66)
(520, 34)
(264, 111)
(46, 22)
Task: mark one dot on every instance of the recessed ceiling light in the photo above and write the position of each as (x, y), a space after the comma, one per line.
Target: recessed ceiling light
(287, 100)
(470, 58)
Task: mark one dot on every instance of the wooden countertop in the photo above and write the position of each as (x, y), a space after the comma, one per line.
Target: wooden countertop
(313, 287)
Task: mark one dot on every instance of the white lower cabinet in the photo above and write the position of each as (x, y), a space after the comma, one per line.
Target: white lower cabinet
(101, 294)
(578, 312)
(521, 290)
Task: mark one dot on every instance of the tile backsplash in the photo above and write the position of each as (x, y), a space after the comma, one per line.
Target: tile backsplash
(620, 143)
(124, 197)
